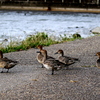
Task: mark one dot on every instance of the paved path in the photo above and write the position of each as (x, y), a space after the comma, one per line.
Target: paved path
(28, 81)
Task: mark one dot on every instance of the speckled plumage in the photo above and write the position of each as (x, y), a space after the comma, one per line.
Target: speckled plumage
(65, 59)
(6, 63)
(40, 56)
(50, 64)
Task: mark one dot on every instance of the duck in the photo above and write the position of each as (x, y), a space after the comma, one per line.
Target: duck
(50, 64)
(65, 59)
(98, 60)
(6, 63)
(40, 56)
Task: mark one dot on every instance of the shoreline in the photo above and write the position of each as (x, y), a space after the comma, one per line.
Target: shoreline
(82, 10)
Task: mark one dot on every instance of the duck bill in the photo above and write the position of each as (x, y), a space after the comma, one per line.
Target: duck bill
(35, 48)
(38, 52)
(95, 55)
(56, 53)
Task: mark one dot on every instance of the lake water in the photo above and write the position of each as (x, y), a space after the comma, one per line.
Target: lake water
(20, 24)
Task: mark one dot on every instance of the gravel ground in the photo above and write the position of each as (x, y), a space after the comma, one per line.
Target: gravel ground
(28, 81)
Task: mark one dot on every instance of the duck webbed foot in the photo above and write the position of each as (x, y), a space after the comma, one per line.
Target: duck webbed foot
(52, 72)
(7, 71)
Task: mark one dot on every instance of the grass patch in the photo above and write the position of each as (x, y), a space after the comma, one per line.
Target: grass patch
(35, 40)
(71, 38)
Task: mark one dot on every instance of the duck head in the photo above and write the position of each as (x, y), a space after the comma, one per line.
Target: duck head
(40, 47)
(60, 51)
(98, 54)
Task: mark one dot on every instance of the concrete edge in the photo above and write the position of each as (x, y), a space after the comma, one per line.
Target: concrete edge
(88, 10)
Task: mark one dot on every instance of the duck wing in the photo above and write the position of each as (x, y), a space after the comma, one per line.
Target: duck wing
(9, 60)
(64, 59)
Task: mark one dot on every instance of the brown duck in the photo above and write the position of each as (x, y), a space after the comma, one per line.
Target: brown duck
(6, 63)
(65, 59)
(98, 60)
(40, 56)
(50, 64)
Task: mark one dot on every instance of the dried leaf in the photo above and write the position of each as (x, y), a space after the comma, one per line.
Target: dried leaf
(34, 79)
(72, 81)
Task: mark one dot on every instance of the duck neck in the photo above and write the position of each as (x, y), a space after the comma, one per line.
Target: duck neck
(40, 49)
(44, 57)
(62, 54)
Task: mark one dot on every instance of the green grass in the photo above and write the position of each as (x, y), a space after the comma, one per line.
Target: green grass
(33, 41)
(71, 38)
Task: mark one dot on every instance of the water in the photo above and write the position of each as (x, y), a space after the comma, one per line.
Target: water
(20, 24)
